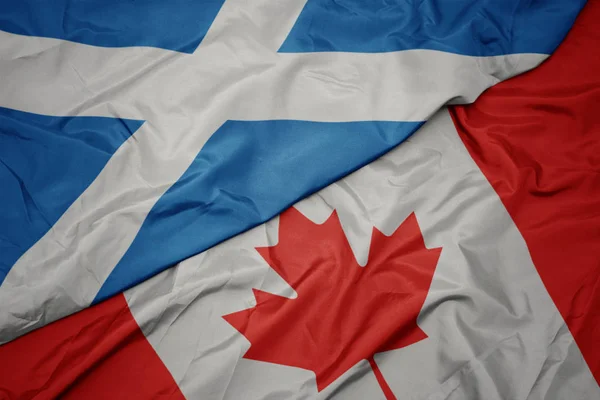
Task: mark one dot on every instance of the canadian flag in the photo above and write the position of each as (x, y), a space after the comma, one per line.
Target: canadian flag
(464, 264)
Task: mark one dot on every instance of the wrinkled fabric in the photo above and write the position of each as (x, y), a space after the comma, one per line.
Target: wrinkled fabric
(178, 25)
(478, 28)
(491, 327)
(503, 193)
(537, 140)
(178, 185)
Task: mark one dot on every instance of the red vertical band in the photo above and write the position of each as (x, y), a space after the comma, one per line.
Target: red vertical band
(537, 140)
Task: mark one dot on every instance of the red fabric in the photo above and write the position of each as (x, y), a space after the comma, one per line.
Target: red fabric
(343, 313)
(98, 353)
(537, 139)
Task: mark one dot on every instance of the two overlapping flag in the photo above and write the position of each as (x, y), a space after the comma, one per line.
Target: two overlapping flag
(421, 252)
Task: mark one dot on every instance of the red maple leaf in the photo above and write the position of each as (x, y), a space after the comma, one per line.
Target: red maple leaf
(343, 313)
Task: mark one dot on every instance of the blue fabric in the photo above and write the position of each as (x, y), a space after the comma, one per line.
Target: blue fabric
(478, 28)
(468, 27)
(247, 172)
(169, 24)
(45, 164)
